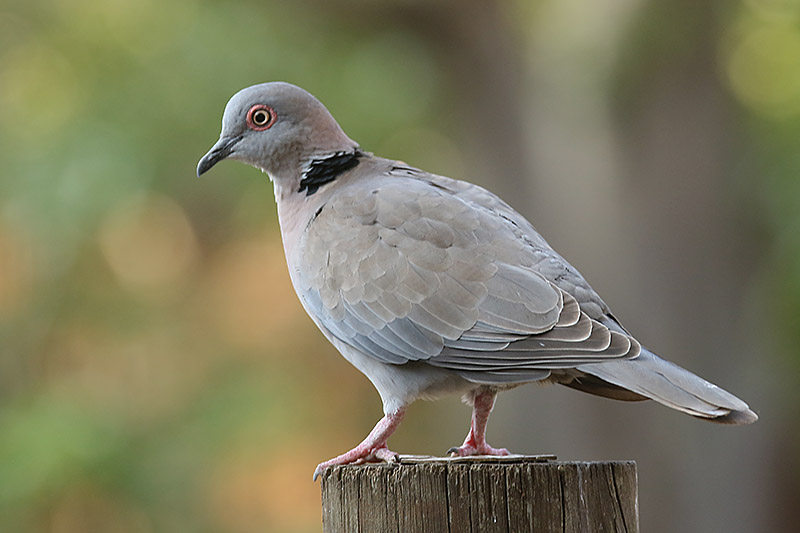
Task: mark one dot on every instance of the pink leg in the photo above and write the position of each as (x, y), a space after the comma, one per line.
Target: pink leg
(373, 448)
(475, 443)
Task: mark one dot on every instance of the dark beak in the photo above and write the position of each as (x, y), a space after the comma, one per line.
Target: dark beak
(218, 152)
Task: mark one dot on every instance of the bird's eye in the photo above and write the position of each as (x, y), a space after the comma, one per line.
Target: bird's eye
(260, 117)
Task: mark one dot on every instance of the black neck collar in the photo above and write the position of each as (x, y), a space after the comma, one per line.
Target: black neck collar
(322, 171)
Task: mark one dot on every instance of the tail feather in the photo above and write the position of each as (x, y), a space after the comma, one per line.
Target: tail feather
(650, 376)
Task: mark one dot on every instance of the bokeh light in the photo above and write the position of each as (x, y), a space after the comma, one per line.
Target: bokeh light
(764, 69)
(149, 243)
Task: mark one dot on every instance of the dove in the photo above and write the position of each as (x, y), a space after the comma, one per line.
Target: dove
(432, 286)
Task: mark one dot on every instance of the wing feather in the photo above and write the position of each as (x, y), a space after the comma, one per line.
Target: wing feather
(408, 271)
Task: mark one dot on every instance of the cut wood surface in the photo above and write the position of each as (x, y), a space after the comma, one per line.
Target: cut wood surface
(480, 494)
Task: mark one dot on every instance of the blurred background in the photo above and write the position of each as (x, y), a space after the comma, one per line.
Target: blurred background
(157, 373)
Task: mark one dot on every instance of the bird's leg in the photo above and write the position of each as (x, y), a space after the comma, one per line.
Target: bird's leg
(373, 448)
(475, 443)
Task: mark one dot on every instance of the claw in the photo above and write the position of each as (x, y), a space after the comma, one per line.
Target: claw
(387, 455)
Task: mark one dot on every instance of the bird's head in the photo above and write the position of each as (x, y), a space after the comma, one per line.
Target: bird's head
(276, 127)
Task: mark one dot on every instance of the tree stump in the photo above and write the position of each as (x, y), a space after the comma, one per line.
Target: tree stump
(480, 494)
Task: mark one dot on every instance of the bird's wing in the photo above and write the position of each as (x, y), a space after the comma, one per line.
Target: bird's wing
(405, 270)
(550, 263)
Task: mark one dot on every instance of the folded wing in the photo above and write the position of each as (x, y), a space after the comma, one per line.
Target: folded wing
(407, 271)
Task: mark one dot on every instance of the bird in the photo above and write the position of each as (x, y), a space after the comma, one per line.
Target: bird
(432, 286)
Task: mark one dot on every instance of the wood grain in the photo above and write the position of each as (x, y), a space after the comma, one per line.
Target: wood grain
(480, 495)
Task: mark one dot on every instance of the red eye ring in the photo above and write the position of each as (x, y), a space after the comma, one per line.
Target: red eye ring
(260, 117)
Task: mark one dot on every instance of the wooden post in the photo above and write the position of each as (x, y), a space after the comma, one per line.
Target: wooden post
(480, 494)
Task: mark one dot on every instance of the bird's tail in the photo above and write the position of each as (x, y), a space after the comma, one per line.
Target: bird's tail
(649, 376)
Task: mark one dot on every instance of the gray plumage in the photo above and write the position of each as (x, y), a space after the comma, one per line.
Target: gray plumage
(430, 285)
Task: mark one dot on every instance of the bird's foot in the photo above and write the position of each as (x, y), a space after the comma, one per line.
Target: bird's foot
(371, 449)
(475, 444)
(475, 449)
(358, 455)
